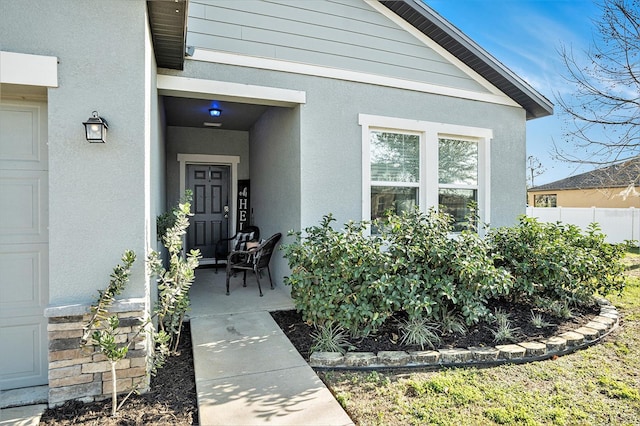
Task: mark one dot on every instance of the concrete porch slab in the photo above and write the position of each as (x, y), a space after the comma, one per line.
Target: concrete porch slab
(208, 295)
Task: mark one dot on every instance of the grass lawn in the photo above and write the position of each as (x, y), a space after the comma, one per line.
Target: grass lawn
(596, 386)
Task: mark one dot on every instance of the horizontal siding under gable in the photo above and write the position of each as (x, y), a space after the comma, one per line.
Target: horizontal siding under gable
(345, 34)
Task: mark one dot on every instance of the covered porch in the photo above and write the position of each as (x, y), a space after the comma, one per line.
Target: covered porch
(242, 165)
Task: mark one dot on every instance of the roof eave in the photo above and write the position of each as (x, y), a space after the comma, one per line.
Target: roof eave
(168, 23)
(441, 31)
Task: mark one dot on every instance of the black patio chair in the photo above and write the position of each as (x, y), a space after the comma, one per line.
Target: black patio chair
(236, 243)
(254, 259)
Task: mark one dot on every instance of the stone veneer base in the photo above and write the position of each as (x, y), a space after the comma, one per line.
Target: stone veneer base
(563, 344)
(78, 372)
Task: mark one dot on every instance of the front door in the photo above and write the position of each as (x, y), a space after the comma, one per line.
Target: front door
(210, 222)
(24, 244)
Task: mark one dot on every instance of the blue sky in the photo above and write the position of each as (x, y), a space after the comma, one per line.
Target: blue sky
(525, 35)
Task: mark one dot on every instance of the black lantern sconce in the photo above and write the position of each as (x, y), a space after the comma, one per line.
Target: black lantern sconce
(96, 128)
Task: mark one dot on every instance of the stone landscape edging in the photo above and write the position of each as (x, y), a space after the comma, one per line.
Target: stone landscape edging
(518, 353)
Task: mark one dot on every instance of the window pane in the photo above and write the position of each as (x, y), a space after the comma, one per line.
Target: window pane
(456, 203)
(546, 200)
(395, 157)
(458, 162)
(392, 198)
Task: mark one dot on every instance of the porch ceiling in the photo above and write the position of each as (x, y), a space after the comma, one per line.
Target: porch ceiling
(190, 112)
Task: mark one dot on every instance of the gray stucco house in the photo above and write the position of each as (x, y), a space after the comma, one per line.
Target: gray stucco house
(342, 106)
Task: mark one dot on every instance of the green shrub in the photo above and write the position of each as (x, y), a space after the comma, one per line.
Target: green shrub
(558, 262)
(416, 265)
(435, 274)
(336, 277)
(412, 265)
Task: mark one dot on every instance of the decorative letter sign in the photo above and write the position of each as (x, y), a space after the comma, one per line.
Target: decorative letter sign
(244, 217)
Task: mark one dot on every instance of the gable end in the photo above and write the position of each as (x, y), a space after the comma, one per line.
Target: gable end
(462, 47)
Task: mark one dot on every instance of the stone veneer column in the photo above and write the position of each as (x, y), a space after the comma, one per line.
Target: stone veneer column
(83, 373)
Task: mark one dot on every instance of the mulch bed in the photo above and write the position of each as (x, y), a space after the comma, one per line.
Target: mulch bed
(171, 399)
(387, 337)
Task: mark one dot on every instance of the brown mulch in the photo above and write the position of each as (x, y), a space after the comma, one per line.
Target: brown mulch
(388, 337)
(171, 399)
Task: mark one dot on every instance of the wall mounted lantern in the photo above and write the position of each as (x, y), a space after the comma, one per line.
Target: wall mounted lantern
(215, 112)
(96, 128)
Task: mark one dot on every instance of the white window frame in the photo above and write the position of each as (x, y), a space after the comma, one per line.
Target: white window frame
(430, 133)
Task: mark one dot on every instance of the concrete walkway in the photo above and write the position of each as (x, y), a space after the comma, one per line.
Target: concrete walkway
(27, 415)
(247, 371)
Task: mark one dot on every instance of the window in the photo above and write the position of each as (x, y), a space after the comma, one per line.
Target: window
(457, 178)
(408, 163)
(545, 200)
(395, 172)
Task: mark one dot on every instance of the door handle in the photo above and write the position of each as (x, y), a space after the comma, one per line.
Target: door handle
(226, 212)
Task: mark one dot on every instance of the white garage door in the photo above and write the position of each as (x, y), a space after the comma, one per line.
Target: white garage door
(24, 244)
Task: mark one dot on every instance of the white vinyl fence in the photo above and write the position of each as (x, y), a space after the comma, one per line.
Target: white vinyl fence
(617, 224)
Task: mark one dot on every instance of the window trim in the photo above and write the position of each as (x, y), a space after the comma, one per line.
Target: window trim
(430, 133)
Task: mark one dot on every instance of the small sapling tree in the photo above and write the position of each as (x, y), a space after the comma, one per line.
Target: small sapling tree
(174, 282)
(102, 328)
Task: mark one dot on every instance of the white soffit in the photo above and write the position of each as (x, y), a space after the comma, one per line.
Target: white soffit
(233, 92)
(30, 70)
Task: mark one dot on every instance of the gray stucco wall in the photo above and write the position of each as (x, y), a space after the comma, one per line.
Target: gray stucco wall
(293, 187)
(189, 140)
(97, 191)
(331, 148)
(275, 176)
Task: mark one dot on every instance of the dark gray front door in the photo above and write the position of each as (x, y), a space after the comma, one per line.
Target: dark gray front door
(210, 222)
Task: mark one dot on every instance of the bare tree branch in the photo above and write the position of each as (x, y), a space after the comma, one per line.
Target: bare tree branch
(603, 112)
(534, 169)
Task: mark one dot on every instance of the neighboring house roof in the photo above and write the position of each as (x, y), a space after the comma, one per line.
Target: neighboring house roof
(168, 28)
(619, 175)
(168, 22)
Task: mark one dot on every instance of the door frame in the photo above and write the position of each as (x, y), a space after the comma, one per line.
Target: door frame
(217, 160)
